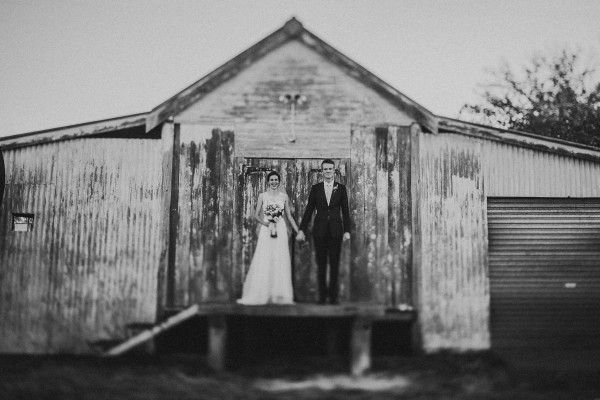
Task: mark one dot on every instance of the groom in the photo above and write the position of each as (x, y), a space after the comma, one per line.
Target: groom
(332, 225)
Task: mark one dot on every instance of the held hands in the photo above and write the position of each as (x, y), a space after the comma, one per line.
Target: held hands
(300, 236)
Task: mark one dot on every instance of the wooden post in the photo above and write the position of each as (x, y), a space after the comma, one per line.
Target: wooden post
(360, 345)
(217, 342)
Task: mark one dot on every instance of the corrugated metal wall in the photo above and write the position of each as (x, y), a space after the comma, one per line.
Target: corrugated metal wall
(452, 281)
(90, 264)
(455, 176)
(512, 171)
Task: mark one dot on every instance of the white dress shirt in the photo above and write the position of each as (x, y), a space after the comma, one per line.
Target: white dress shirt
(328, 190)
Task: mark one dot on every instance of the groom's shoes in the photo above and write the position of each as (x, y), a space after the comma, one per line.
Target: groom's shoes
(322, 301)
(334, 301)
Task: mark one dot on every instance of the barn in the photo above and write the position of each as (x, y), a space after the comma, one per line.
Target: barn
(481, 237)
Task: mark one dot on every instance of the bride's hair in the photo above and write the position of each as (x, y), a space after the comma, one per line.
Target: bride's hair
(270, 174)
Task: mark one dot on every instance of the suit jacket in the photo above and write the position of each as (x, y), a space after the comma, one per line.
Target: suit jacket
(335, 216)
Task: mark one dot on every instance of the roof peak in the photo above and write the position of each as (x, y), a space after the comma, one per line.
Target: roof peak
(293, 26)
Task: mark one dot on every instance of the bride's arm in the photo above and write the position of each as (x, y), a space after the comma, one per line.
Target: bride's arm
(288, 214)
(259, 210)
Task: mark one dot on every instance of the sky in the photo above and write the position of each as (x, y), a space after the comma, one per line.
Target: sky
(65, 62)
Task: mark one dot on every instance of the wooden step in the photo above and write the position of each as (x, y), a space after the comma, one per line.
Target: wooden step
(147, 335)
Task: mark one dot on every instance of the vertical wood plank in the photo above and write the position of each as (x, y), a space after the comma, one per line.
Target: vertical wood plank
(238, 237)
(226, 222)
(194, 227)
(370, 285)
(167, 152)
(357, 205)
(210, 188)
(173, 219)
(342, 175)
(382, 268)
(182, 267)
(394, 219)
(403, 211)
(415, 184)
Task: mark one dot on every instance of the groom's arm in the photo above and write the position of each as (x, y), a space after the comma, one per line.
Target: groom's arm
(310, 207)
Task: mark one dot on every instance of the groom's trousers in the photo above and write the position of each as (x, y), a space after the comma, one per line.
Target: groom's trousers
(328, 247)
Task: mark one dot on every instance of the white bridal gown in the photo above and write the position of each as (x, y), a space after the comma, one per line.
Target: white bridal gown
(269, 278)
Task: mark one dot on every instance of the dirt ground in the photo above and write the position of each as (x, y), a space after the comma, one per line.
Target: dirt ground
(440, 376)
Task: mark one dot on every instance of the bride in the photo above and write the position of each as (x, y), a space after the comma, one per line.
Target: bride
(269, 278)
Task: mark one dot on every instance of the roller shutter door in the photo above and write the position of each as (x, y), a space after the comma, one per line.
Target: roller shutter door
(544, 260)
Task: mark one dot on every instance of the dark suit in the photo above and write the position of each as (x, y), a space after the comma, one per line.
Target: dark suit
(331, 221)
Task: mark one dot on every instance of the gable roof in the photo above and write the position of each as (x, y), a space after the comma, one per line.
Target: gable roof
(292, 30)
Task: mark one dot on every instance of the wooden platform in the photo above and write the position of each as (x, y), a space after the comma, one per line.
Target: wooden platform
(362, 315)
(375, 312)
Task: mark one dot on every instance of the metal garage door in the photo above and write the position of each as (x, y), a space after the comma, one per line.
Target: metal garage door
(544, 259)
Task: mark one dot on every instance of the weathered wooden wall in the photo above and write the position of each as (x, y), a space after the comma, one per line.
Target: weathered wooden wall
(380, 200)
(90, 264)
(335, 100)
(297, 177)
(201, 266)
(451, 253)
(2, 178)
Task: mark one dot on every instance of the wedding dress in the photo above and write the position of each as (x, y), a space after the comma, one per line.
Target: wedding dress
(269, 278)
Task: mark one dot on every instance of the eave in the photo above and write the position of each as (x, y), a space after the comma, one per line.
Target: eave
(73, 131)
(519, 138)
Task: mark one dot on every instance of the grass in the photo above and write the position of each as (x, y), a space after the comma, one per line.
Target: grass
(441, 376)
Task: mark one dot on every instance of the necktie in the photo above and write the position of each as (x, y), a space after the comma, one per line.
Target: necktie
(328, 190)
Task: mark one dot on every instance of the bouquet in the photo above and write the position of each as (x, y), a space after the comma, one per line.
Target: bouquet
(273, 213)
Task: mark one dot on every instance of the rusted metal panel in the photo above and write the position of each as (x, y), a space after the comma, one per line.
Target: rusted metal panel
(379, 197)
(453, 273)
(90, 264)
(514, 171)
(204, 233)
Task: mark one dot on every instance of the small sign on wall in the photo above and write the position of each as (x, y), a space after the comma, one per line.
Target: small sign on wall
(22, 222)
